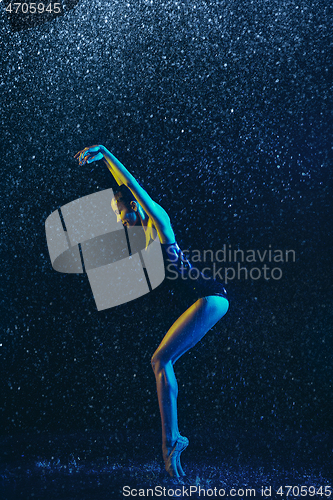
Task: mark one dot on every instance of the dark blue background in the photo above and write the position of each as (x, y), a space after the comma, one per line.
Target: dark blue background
(223, 110)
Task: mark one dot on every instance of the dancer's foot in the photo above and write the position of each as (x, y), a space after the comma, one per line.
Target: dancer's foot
(171, 455)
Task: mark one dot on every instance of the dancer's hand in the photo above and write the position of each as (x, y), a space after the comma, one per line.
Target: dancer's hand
(90, 154)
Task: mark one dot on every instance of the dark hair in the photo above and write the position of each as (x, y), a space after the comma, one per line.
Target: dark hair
(124, 194)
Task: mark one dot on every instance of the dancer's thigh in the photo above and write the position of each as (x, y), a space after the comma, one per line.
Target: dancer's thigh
(190, 327)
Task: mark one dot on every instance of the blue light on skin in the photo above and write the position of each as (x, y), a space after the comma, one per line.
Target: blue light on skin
(130, 214)
(187, 330)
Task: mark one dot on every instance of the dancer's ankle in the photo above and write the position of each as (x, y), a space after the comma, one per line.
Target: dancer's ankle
(169, 441)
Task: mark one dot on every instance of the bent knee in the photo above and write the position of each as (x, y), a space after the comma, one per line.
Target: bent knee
(154, 361)
(157, 361)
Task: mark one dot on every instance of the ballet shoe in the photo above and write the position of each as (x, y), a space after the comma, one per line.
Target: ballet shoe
(172, 460)
(179, 467)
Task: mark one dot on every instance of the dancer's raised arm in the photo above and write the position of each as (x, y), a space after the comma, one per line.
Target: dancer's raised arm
(123, 176)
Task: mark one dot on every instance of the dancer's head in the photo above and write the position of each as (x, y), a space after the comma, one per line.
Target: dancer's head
(125, 206)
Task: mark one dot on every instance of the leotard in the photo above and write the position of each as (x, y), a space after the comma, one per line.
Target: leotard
(181, 276)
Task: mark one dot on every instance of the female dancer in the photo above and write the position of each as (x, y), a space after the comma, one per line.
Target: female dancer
(133, 206)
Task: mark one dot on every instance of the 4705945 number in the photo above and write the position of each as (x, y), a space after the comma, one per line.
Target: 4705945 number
(302, 491)
(33, 8)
